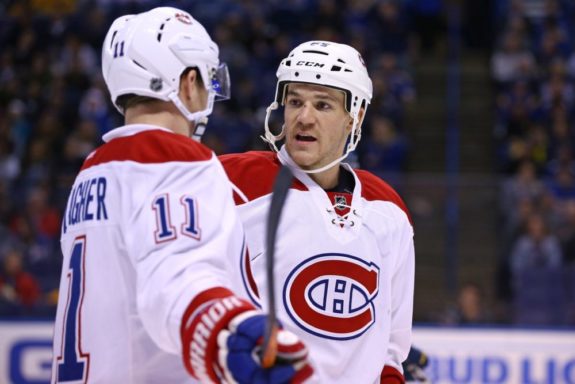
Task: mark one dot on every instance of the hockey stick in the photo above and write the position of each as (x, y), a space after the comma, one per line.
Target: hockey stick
(279, 194)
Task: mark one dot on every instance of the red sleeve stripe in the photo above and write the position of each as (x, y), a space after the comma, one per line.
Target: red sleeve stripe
(152, 146)
(207, 315)
(200, 300)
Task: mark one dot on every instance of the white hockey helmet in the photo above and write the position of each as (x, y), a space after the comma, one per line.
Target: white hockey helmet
(145, 55)
(334, 65)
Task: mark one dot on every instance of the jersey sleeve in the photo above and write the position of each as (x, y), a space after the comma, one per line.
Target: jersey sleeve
(253, 174)
(403, 268)
(241, 168)
(402, 286)
(185, 236)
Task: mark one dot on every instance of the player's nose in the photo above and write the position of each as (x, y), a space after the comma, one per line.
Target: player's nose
(306, 114)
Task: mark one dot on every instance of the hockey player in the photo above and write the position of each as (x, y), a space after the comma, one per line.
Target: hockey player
(344, 253)
(150, 228)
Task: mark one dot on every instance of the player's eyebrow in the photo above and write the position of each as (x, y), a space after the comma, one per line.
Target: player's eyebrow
(316, 94)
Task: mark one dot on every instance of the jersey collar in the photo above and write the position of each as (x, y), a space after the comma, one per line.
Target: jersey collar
(322, 200)
(131, 129)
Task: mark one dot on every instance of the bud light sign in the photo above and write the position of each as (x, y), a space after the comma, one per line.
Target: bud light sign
(25, 352)
(495, 356)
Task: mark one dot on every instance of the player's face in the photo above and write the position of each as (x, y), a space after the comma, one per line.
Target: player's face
(316, 123)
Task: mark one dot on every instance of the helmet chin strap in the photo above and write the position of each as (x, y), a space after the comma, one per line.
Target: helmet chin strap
(268, 136)
(199, 129)
(199, 118)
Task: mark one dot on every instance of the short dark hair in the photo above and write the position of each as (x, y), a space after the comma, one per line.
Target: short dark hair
(130, 100)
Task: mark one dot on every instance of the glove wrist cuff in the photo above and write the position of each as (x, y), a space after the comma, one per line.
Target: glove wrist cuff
(199, 339)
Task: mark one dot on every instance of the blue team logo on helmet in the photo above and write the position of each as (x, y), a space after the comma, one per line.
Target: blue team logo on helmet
(331, 295)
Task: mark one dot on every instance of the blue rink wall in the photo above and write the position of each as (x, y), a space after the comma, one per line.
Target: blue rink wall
(457, 355)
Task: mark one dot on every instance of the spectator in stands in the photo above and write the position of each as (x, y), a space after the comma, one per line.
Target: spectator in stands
(536, 248)
(37, 226)
(516, 24)
(512, 60)
(523, 185)
(557, 89)
(44, 218)
(571, 65)
(513, 223)
(328, 13)
(68, 165)
(9, 162)
(385, 153)
(562, 185)
(562, 154)
(19, 290)
(78, 56)
(534, 145)
(428, 21)
(357, 15)
(18, 123)
(6, 207)
(554, 43)
(389, 30)
(517, 105)
(565, 229)
(398, 85)
(470, 307)
(538, 145)
(94, 107)
(37, 164)
(562, 136)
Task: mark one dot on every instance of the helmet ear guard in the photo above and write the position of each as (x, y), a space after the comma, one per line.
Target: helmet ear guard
(328, 64)
(145, 55)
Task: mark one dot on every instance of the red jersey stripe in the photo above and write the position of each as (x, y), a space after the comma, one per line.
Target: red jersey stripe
(147, 147)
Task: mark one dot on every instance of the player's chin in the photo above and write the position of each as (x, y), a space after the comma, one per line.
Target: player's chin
(303, 155)
(303, 159)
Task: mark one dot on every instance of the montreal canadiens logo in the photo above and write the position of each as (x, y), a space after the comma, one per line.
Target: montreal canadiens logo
(331, 295)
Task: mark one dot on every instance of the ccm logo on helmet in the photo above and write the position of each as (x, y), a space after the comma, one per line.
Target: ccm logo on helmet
(331, 295)
(309, 64)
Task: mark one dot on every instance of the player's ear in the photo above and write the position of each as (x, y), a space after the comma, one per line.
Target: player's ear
(188, 83)
(360, 116)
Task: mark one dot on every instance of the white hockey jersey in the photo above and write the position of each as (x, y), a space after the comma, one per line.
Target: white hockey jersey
(344, 286)
(150, 223)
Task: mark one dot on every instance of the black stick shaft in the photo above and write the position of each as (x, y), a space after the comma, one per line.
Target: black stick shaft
(279, 194)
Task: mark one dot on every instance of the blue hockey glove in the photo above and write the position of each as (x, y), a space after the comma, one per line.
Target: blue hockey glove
(239, 353)
(222, 343)
(414, 365)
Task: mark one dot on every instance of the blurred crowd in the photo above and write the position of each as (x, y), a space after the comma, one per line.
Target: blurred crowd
(533, 69)
(54, 106)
